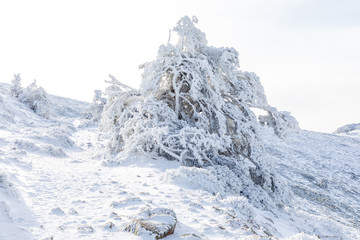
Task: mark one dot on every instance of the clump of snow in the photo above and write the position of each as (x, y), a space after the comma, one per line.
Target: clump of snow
(40, 148)
(109, 226)
(57, 211)
(54, 151)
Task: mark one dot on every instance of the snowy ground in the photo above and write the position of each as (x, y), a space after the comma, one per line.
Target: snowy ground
(57, 182)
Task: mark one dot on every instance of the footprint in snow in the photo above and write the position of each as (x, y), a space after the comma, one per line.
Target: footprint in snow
(79, 201)
(85, 229)
(126, 201)
(73, 211)
(115, 216)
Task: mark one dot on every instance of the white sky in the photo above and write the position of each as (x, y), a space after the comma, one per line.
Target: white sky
(307, 53)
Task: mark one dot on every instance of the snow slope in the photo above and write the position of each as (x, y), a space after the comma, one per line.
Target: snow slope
(323, 170)
(57, 181)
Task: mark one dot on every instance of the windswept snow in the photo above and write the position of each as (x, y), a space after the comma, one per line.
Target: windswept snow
(57, 181)
(323, 171)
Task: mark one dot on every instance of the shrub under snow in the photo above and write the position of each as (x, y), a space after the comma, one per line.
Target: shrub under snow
(33, 96)
(16, 86)
(281, 122)
(193, 106)
(94, 111)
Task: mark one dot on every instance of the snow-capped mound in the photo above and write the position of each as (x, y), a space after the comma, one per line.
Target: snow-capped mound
(349, 129)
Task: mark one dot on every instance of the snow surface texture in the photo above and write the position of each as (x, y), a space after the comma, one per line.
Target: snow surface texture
(58, 180)
(46, 195)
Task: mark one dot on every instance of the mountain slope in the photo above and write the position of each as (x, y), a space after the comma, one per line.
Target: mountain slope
(323, 172)
(58, 181)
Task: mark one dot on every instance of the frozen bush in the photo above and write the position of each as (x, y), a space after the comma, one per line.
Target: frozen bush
(47, 149)
(95, 110)
(53, 151)
(16, 86)
(34, 97)
(281, 122)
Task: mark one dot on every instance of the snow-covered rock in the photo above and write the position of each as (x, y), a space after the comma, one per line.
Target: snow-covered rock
(159, 222)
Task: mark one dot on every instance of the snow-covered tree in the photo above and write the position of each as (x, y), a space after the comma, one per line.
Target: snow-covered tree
(193, 106)
(16, 86)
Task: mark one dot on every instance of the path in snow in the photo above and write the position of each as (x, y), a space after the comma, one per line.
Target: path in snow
(77, 198)
(71, 197)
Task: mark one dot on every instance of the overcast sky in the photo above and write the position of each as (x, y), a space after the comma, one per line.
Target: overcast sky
(306, 53)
